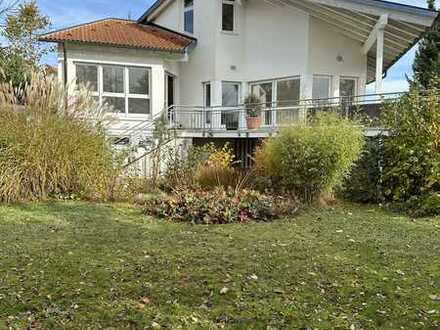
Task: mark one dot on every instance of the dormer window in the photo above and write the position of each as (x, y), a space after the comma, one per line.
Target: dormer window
(188, 16)
(228, 15)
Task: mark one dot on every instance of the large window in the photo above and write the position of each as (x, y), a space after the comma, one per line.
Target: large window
(188, 16)
(288, 92)
(321, 87)
(125, 90)
(264, 91)
(87, 75)
(230, 98)
(281, 93)
(228, 15)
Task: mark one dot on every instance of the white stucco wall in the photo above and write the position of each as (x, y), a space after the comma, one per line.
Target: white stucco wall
(326, 45)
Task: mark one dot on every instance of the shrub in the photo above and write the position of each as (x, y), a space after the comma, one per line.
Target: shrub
(363, 184)
(50, 148)
(217, 170)
(310, 160)
(219, 207)
(206, 167)
(412, 153)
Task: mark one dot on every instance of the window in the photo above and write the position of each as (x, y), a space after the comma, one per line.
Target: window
(347, 87)
(230, 98)
(288, 92)
(188, 16)
(207, 101)
(125, 90)
(281, 93)
(321, 87)
(87, 75)
(228, 15)
(230, 94)
(264, 91)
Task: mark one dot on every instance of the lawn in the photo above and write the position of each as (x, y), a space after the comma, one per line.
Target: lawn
(83, 266)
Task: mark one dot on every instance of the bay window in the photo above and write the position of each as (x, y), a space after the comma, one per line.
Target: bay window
(126, 90)
(188, 16)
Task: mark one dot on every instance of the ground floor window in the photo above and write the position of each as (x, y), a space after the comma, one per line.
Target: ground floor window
(322, 86)
(276, 93)
(230, 98)
(125, 89)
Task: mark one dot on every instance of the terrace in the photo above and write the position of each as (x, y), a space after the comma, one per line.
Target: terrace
(199, 121)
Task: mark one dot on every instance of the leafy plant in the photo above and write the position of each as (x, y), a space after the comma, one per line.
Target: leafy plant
(363, 184)
(412, 153)
(310, 160)
(219, 206)
(253, 106)
(51, 145)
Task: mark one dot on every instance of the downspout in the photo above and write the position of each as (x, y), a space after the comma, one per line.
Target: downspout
(65, 64)
(66, 90)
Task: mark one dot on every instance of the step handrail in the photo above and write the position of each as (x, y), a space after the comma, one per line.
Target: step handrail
(147, 124)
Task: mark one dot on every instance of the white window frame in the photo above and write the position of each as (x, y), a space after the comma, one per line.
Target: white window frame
(330, 85)
(126, 93)
(185, 10)
(234, 13)
(274, 104)
(356, 83)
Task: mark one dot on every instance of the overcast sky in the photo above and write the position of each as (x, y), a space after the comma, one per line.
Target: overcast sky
(64, 13)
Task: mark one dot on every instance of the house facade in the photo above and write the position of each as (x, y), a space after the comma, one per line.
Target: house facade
(200, 59)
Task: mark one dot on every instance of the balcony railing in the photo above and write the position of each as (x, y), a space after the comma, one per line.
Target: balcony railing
(273, 116)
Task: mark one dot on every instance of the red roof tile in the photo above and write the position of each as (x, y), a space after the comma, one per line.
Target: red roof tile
(122, 33)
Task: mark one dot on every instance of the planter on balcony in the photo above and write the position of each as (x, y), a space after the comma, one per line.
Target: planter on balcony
(253, 122)
(253, 112)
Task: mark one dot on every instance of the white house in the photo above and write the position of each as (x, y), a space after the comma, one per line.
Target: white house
(200, 59)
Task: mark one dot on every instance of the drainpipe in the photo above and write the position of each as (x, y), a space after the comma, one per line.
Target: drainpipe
(65, 64)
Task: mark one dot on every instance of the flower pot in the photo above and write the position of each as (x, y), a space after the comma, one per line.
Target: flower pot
(253, 122)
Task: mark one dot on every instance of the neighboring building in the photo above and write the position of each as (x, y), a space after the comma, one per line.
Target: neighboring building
(205, 56)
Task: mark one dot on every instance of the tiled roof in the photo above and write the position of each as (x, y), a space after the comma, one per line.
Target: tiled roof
(122, 33)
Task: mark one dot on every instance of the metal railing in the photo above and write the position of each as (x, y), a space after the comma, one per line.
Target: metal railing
(271, 116)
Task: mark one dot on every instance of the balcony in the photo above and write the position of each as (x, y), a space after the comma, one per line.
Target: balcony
(194, 121)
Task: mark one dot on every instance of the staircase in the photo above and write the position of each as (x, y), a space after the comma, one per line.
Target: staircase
(147, 140)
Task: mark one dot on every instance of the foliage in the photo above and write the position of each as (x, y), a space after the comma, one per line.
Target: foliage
(204, 167)
(13, 67)
(253, 106)
(217, 170)
(412, 153)
(363, 184)
(427, 61)
(22, 30)
(311, 160)
(52, 146)
(219, 206)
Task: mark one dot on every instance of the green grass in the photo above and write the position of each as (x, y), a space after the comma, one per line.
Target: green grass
(84, 266)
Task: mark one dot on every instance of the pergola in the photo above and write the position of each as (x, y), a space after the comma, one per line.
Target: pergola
(386, 30)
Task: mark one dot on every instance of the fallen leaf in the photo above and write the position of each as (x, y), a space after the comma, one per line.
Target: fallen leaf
(224, 291)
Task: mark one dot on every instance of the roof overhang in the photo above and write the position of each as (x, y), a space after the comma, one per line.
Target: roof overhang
(359, 20)
(155, 9)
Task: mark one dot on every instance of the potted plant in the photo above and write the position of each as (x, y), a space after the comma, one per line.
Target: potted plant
(253, 112)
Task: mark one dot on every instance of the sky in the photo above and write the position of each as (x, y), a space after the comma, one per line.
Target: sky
(64, 13)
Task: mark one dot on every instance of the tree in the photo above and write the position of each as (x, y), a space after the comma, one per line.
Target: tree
(23, 52)
(426, 65)
(22, 29)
